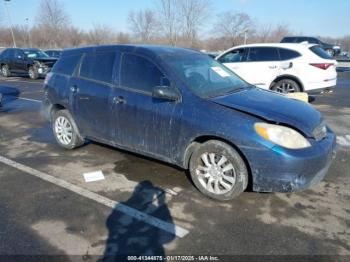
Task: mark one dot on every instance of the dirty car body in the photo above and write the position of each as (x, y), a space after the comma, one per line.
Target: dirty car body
(193, 100)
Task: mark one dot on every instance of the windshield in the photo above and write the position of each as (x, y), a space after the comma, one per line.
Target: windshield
(205, 76)
(35, 54)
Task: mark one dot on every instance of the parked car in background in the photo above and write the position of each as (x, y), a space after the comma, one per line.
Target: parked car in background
(332, 50)
(54, 53)
(31, 61)
(284, 68)
(183, 107)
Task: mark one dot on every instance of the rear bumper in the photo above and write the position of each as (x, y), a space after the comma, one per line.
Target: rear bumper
(321, 90)
(283, 170)
(319, 87)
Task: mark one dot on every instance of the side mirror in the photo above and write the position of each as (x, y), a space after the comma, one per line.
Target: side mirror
(166, 93)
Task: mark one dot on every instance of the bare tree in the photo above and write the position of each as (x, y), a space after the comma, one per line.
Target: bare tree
(143, 24)
(168, 12)
(74, 37)
(100, 34)
(52, 19)
(231, 26)
(193, 15)
(123, 38)
(272, 34)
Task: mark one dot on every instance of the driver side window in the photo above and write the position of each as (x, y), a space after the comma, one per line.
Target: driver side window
(141, 74)
(234, 56)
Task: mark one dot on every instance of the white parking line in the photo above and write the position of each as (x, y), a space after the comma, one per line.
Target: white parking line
(29, 99)
(156, 222)
(20, 80)
(343, 140)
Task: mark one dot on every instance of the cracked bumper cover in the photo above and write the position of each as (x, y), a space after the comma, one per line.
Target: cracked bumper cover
(284, 170)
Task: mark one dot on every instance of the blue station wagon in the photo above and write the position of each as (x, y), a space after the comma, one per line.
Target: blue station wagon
(183, 107)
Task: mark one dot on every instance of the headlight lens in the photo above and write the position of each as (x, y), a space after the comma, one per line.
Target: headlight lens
(281, 135)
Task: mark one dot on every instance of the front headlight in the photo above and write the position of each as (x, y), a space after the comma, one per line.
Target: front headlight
(282, 135)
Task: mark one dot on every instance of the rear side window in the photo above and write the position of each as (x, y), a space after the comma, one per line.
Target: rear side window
(320, 52)
(233, 56)
(98, 66)
(9, 53)
(141, 74)
(287, 54)
(263, 54)
(66, 65)
(313, 40)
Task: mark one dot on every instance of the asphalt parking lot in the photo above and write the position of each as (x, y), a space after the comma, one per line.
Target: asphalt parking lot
(145, 206)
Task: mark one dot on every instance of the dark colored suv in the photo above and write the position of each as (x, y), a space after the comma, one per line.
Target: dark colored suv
(332, 50)
(31, 61)
(54, 53)
(183, 107)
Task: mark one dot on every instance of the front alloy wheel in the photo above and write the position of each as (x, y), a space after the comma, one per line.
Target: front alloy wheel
(33, 73)
(218, 170)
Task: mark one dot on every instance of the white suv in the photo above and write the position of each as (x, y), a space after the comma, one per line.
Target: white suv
(284, 68)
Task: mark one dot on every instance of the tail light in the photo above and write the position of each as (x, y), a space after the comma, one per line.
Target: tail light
(323, 66)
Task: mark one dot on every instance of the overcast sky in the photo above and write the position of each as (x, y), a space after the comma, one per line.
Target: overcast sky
(309, 17)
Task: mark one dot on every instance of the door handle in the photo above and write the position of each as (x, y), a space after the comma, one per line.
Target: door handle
(273, 67)
(74, 89)
(119, 100)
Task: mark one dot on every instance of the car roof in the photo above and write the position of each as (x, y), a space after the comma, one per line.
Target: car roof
(294, 46)
(158, 50)
(295, 36)
(29, 49)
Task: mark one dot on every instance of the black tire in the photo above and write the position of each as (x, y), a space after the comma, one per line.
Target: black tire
(76, 139)
(5, 71)
(239, 171)
(286, 86)
(33, 73)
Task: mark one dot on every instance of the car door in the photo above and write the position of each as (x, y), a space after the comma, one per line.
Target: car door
(90, 95)
(144, 123)
(234, 60)
(11, 60)
(261, 67)
(20, 62)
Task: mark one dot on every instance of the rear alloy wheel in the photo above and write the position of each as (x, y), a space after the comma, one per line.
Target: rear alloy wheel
(5, 71)
(65, 130)
(33, 73)
(286, 86)
(218, 171)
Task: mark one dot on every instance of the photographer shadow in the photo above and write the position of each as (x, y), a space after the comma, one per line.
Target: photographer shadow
(129, 236)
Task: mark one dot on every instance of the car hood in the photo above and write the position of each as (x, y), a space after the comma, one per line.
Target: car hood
(45, 60)
(274, 107)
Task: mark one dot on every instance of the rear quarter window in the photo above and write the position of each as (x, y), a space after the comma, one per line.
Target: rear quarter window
(287, 54)
(317, 50)
(66, 65)
(98, 66)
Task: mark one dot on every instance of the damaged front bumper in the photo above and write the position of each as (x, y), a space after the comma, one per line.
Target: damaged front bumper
(285, 170)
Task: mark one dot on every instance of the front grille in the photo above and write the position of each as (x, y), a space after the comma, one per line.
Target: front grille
(320, 132)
